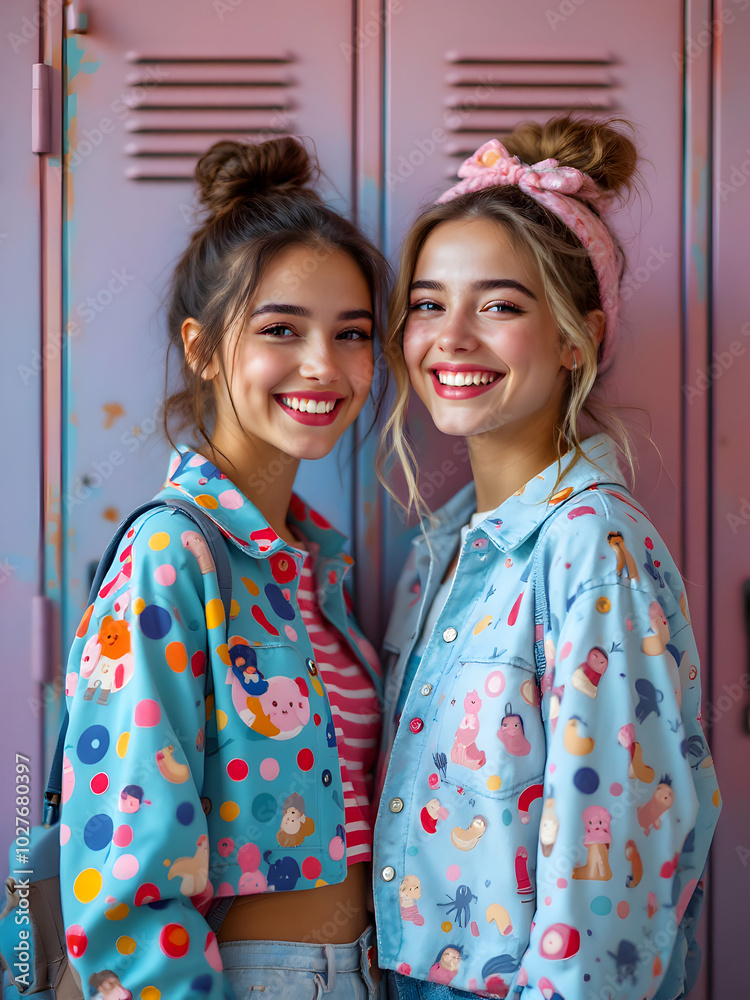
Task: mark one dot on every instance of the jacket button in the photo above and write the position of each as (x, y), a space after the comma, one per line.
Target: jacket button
(396, 805)
(426, 689)
(388, 874)
(450, 634)
(312, 667)
(416, 725)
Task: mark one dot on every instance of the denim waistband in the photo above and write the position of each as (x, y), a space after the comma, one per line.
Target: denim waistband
(298, 955)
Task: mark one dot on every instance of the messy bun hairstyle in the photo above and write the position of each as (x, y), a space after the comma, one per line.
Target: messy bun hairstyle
(258, 201)
(605, 150)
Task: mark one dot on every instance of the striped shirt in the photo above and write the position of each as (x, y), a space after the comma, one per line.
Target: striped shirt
(356, 714)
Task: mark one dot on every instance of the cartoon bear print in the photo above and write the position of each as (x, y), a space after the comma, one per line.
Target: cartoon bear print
(107, 662)
(465, 750)
(295, 825)
(586, 677)
(596, 839)
(662, 799)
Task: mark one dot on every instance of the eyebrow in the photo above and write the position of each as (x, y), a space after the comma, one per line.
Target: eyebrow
(488, 285)
(291, 310)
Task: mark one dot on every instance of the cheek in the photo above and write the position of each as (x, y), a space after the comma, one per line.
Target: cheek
(416, 344)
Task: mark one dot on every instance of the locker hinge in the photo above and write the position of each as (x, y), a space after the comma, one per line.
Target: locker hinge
(41, 108)
(42, 623)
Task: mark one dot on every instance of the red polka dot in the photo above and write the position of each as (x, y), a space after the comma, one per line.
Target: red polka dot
(99, 783)
(513, 616)
(146, 893)
(237, 769)
(316, 719)
(174, 941)
(305, 759)
(311, 868)
(332, 577)
(262, 620)
(303, 689)
(198, 663)
(649, 543)
(76, 939)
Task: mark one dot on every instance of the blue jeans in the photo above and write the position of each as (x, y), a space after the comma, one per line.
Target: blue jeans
(405, 988)
(261, 970)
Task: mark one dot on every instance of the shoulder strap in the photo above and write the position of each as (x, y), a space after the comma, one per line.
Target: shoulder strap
(218, 550)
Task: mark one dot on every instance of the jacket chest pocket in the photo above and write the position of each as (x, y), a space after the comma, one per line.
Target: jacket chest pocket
(490, 735)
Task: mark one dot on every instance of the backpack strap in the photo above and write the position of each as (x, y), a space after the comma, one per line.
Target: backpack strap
(218, 549)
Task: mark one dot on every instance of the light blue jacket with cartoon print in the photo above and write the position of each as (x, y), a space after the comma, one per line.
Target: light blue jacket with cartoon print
(551, 850)
(171, 798)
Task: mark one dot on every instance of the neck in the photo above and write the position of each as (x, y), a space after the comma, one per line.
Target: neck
(505, 459)
(263, 473)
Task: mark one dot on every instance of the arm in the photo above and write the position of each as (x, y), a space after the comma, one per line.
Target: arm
(135, 851)
(615, 876)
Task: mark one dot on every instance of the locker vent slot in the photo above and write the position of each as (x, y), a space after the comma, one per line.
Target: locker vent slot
(486, 97)
(178, 106)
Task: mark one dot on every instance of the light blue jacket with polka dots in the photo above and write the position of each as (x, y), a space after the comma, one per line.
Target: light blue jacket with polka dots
(172, 798)
(545, 836)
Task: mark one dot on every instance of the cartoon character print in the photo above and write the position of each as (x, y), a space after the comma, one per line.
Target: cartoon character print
(295, 825)
(430, 815)
(632, 855)
(511, 733)
(559, 941)
(662, 799)
(649, 700)
(466, 840)
(656, 643)
(523, 882)
(409, 892)
(638, 768)
(123, 576)
(192, 870)
(106, 985)
(107, 661)
(596, 839)
(169, 768)
(626, 961)
(446, 964)
(280, 712)
(244, 661)
(586, 677)
(465, 750)
(283, 874)
(194, 542)
(625, 561)
(131, 799)
(460, 904)
(549, 826)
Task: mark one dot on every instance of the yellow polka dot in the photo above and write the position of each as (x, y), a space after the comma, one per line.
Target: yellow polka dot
(234, 609)
(150, 993)
(221, 719)
(122, 744)
(125, 945)
(222, 652)
(176, 656)
(716, 798)
(117, 912)
(251, 585)
(207, 501)
(166, 862)
(603, 605)
(493, 782)
(138, 605)
(319, 882)
(482, 625)
(214, 613)
(446, 926)
(87, 885)
(348, 560)
(158, 541)
(229, 811)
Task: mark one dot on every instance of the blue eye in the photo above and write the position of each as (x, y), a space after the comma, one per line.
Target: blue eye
(280, 330)
(425, 306)
(354, 335)
(502, 307)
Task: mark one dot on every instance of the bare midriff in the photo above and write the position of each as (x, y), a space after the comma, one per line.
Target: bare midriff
(328, 914)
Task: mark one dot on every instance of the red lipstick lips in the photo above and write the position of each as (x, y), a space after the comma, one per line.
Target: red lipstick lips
(316, 409)
(463, 381)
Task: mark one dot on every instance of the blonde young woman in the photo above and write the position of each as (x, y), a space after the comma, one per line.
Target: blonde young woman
(550, 798)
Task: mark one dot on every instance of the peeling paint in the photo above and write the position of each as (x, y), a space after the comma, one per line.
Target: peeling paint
(113, 411)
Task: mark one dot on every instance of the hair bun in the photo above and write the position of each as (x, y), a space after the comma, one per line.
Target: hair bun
(602, 148)
(232, 171)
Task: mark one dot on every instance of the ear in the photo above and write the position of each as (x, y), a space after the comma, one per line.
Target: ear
(595, 322)
(190, 329)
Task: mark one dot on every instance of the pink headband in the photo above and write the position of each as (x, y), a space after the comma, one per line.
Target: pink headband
(551, 185)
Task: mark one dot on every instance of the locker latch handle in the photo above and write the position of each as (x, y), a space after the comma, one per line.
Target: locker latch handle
(76, 18)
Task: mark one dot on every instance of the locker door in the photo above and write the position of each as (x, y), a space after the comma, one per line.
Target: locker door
(149, 87)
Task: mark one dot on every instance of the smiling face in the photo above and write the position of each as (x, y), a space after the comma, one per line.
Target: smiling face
(480, 342)
(300, 367)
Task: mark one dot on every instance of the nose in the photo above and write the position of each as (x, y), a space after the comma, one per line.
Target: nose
(456, 334)
(319, 362)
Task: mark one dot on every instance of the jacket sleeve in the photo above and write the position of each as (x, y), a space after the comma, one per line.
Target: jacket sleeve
(134, 839)
(627, 815)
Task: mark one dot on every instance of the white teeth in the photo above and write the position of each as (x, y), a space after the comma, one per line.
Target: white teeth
(308, 405)
(465, 378)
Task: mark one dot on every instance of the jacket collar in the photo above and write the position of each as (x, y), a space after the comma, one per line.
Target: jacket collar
(198, 480)
(521, 514)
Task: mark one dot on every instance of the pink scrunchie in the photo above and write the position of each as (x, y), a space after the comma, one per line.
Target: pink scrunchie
(552, 186)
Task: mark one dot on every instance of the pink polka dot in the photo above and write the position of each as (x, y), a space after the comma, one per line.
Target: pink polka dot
(404, 968)
(165, 575)
(147, 713)
(237, 769)
(628, 625)
(305, 759)
(336, 848)
(311, 868)
(230, 499)
(125, 867)
(269, 769)
(623, 909)
(225, 846)
(615, 788)
(552, 768)
(71, 683)
(122, 836)
(547, 900)
(290, 633)
(565, 651)
(64, 833)
(562, 883)
(99, 783)
(453, 872)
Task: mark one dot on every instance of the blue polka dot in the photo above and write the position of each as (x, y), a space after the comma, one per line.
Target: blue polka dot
(412, 850)
(93, 744)
(185, 813)
(586, 977)
(155, 622)
(264, 807)
(202, 984)
(601, 906)
(487, 883)
(507, 817)
(278, 602)
(586, 780)
(97, 834)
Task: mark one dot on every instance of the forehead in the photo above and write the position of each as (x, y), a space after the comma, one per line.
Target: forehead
(314, 277)
(464, 250)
